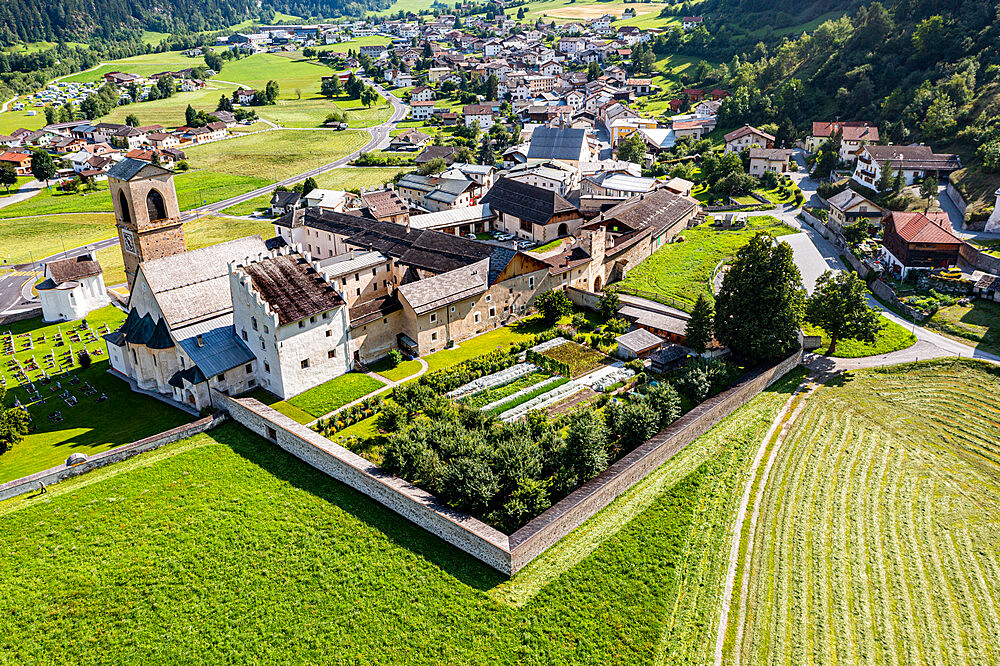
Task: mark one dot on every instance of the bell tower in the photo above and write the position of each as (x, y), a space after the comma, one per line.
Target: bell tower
(146, 213)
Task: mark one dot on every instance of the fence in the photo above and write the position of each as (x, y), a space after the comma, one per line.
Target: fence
(505, 554)
(118, 454)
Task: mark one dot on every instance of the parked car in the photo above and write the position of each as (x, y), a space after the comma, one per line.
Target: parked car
(471, 236)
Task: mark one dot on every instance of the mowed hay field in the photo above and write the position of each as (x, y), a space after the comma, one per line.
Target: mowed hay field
(222, 549)
(878, 539)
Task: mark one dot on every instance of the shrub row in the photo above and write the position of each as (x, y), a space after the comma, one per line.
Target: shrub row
(349, 416)
(546, 363)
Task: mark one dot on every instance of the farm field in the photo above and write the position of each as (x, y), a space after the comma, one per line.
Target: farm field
(88, 427)
(580, 359)
(13, 120)
(680, 271)
(892, 337)
(194, 188)
(275, 155)
(877, 538)
(94, 567)
(977, 324)
(32, 238)
(200, 232)
(169, 112)
(146, 64)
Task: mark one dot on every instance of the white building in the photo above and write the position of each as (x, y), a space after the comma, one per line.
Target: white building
(72, 288)
(294, 321)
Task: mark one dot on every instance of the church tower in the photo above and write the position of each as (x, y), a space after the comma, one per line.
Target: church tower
(146, 213)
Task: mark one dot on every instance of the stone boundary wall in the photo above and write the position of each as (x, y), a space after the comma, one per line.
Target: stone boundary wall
(62, 472)
(584, 299)
(21, 316)
(505, 554)
(956, 197)
(978, 259)
(571, 512)
(415, 504)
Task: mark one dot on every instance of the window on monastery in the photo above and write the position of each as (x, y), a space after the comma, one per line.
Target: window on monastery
(488, 298)
(525, 225)
(244, 336)
(248, 368)
(374, 272)
(434, 336)
(531, 282)
(312, 320)
(326, 315)
(252, 382)
(493, 313)
(332, 353)
(344, 282)
(329, 334)
(267, 367)
(433, 318)
(253, 323)
(262, 345)
(451, 309)
(302, 324)
(305, 363)
(476, 318)
(357, 276)
(358, 290)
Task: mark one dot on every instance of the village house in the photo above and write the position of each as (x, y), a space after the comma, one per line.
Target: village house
(20, 161)
(421, 110)
(914, 162)
(422, 94)
(764, 160)
(919, 241)
(435, 193)
(849, 207)
(555, 143)
(853, 135)
(530, 212)
(747, 137)
(478, 113)
(689, 23)
(551, 175)
(283, 202)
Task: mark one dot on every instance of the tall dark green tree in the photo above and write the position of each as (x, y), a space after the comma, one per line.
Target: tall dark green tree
(43, 167)
(700, 327)
(14, 423)
(759, 306)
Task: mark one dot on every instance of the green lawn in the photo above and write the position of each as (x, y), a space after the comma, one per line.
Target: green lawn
(500, 337)
(402, 371)
(276, 403)
(222, 544)
(892, 337)
(977, 324)
(275, 155)
(13, 120)
(335, 393)
(89, 427)
(31, 238)
(169, 112)
(681, 271)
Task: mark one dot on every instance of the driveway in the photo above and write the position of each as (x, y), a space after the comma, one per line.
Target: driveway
(28, 190)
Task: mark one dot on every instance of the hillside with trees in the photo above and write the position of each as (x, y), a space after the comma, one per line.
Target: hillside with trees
(924, 70)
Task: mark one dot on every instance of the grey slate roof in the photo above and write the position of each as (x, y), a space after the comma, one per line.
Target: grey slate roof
(438, 291)
(526, 202)
(638, 340)
(656, 210)
(556, 143)
(72, 269)
(129, 168)
(194, 285)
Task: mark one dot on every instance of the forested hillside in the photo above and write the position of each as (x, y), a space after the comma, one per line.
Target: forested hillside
(103, 20)
(924, 70)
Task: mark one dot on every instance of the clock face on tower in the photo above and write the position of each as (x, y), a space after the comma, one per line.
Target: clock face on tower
(128, 241)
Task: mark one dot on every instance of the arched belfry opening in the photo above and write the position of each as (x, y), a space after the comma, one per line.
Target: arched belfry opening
(124, 214)
(155, 207)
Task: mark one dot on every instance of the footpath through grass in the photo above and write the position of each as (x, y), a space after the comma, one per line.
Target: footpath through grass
(90, 426)
(682, 271)
(878, 540)
(229, 546)
(892, 337)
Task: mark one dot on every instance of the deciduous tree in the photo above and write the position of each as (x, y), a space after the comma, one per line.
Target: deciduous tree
(839, 305)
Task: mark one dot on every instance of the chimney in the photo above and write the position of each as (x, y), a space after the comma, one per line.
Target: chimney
(200, 340)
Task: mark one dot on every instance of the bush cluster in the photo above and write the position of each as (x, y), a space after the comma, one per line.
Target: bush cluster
(546, 363)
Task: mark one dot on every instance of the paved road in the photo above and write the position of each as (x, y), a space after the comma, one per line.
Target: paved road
(26, 191)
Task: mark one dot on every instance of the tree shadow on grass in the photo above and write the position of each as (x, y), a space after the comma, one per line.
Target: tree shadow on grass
(400, 531)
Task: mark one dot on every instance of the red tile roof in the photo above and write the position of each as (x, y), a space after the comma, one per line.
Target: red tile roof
(932, 227)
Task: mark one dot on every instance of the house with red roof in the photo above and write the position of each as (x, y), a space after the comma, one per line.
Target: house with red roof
(914, 240)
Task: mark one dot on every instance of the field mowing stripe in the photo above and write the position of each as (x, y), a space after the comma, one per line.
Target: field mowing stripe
(943, 591)
(918, 570)
(862, 572)
(905, 607)
(876, 494)
(970, 610)
(991, 613)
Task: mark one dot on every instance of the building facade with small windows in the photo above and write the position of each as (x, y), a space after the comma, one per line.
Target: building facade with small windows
(292, 319)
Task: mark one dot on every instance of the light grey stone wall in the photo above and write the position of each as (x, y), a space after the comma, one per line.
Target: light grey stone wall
(465, 532)
(62, 472)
